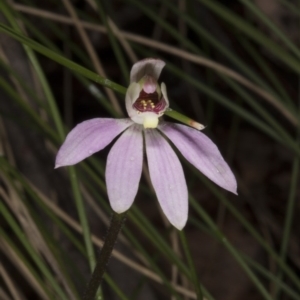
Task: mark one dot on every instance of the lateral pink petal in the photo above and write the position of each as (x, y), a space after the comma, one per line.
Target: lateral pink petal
(124, 169)
(147, 66)
(87, 138)
(167, 178)
(201, 152)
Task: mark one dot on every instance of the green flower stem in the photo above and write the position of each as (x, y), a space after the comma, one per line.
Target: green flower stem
(113, 231)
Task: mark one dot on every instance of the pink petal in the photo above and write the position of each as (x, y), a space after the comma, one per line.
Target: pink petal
(147, 66)
(124, 169)
(201, 152)
(167, 178)
(87, 138)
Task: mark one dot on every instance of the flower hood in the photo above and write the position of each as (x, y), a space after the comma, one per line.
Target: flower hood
(145, 100)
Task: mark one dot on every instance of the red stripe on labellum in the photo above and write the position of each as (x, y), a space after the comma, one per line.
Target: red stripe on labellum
(149, 103)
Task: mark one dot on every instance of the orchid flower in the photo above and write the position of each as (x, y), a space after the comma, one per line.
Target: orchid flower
(146, 101)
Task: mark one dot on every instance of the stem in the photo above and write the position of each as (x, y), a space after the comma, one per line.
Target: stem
(112, 234)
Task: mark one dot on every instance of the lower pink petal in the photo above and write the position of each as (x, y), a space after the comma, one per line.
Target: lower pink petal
(167, 178)
(124, 169)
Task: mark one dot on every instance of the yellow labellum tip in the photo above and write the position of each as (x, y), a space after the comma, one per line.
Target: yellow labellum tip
(150, 122)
